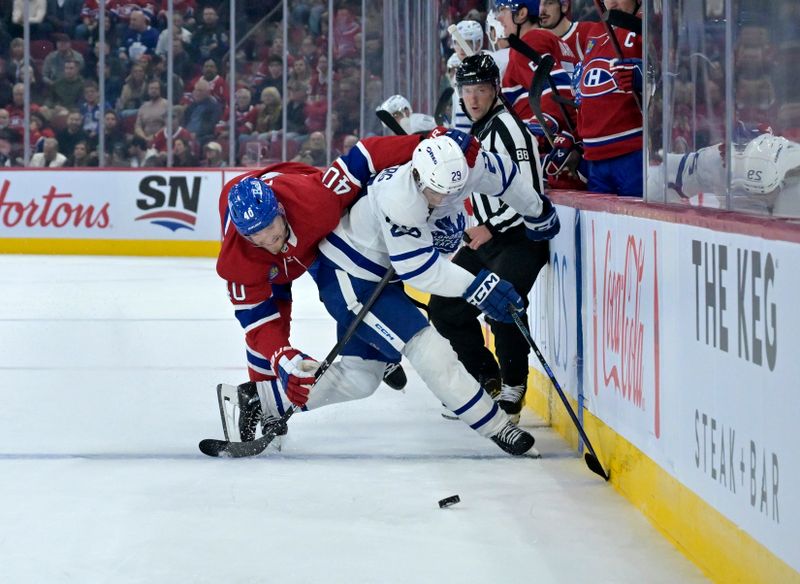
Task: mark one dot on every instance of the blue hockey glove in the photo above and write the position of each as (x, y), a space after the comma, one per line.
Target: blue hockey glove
(628, 73)
(546, 225)
(493, 296)
(564, 157)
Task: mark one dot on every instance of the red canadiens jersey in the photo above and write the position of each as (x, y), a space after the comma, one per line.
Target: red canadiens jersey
(258, 281)
(575, 37)
(519, 74)
(609, 121)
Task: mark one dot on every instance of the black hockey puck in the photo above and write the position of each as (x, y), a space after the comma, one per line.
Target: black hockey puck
(449, 501)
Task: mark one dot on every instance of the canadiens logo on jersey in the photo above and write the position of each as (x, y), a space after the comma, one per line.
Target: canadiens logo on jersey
(597, 78)
(447, 235)
(169, 201)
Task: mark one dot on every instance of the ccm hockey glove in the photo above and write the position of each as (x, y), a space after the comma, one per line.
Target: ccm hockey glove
(296, 372)
(546, 225)
(495, 297)
(468, 143)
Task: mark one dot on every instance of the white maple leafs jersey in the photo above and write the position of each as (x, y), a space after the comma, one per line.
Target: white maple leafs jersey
(391, 225)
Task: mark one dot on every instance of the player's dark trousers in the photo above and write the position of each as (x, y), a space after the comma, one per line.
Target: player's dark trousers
(516, 259)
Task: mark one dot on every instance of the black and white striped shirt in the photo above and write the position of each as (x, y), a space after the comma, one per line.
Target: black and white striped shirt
(499, 131)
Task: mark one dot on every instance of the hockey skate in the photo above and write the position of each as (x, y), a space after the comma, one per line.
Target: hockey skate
(513, 440)
(394, 376)
(510, 400)
(240, 410)
(249, 410)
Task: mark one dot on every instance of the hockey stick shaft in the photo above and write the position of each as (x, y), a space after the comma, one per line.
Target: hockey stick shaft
(601, 10)
(591, 457)
(213, 447)
(521, 46)
(389, 121)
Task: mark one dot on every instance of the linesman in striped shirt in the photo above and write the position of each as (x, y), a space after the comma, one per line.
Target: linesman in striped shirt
(497, 243)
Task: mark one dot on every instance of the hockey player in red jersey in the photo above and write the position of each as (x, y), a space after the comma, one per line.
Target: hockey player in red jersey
(521, 17)
(554, 15)
(262, 253)
(609, 118)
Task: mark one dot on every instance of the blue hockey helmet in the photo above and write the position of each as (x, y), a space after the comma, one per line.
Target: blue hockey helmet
(515, 5)
(252, 205)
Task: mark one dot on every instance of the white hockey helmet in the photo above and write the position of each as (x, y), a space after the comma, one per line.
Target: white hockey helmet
(472, 32)
(440, 165)
(396, 103)
(494, 29)
(766, 161)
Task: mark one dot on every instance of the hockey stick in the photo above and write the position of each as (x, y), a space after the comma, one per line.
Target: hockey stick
(521, 46)
(441, 106)
(624, 20)
(601, 10)
(590, 457)
(390, 122)
(224, 448)
(535, 96)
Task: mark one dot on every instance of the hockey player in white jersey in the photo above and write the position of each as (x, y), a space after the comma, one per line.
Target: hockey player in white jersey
(410, 216)
(765, 177)
(411, 122)
(472, 33)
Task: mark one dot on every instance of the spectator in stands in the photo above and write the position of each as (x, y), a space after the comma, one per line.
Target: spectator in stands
(295, 108)
(203, 113)
(87, 29)
(178, 131)
(349, 141)
(152, 114)
(63, 15)
(319, 79)
(6, 85)
(68, 90)
(16, 61)
(113, 86)
(213, 158)
(186, 8)
(345, 30)
(182, 154)
(49, 157)
(90, 110)
(245, 115)
(313, 150)
(270, 113)
(72, 133)
(16, 109)
(82, 156)
(139, 38)
(39, 131)
(178, 32)
(210, 39)
(158, 70)
(182, 62)
(90, 70)
(134, 92)
(114, 136)
(300, 71)
(37, 9)
(271, 76)
(216, 83)
(9, 136)
(53, 66)
(137, 152)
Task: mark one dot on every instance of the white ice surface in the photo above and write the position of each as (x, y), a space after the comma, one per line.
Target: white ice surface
(107, 376)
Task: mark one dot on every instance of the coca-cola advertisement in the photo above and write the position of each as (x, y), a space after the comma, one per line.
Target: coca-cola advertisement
(624, 323)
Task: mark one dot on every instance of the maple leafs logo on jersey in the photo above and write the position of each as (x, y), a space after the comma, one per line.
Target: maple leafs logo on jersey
(597, 78)
(447, 236)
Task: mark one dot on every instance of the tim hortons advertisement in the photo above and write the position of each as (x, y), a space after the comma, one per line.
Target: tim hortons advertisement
(554, 315)
(146, 204)
(622, 291)
(732, 370)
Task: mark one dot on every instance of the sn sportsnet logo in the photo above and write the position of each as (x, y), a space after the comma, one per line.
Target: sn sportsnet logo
(163, 195)
(53, 209)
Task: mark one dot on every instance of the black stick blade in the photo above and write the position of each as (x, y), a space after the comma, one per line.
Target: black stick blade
(595, 466)
(225, 449)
